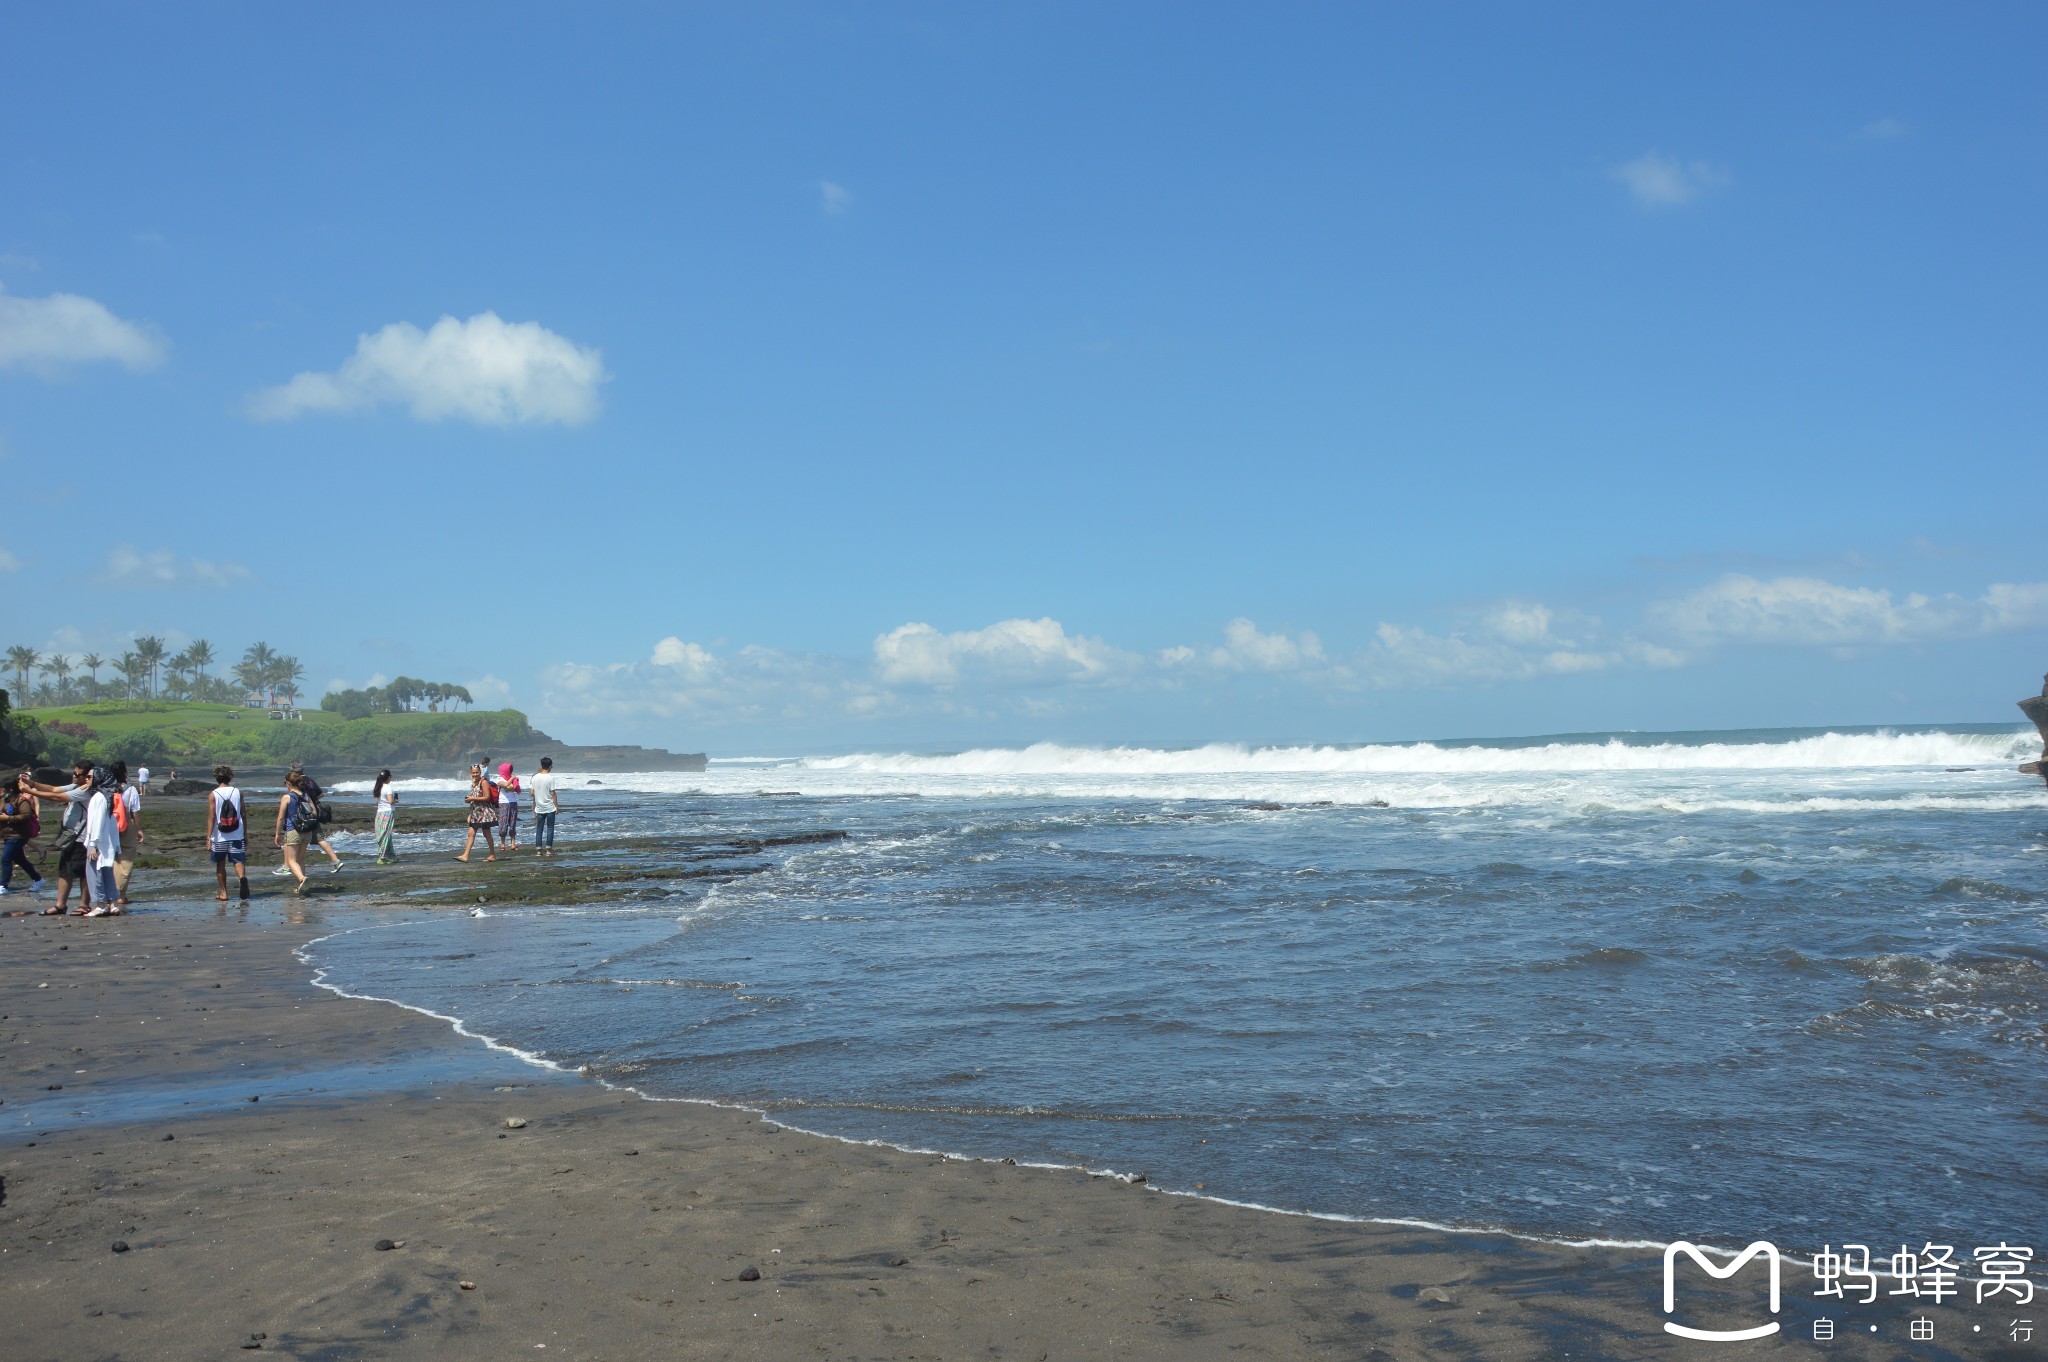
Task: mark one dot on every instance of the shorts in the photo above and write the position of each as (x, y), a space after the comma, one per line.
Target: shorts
(232, 856)
(71, 862)
(294, 838)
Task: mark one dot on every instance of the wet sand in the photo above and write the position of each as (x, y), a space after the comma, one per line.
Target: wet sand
(609, 1227)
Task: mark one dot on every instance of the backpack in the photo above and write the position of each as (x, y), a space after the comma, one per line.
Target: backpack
(305, 815)
(119, 799)
(229, 816)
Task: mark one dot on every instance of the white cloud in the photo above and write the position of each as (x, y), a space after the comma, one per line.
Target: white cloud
(488, 691)
(834, 199)
(1659, 181)
(128, 566)
(8, 562)
(486, 370)
(1812, 612)
(48, 335)
(1246, 649)
(1017, 652)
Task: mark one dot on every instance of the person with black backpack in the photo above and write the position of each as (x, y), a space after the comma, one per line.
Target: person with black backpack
(317, 833)
(227, 833)
(298, 821)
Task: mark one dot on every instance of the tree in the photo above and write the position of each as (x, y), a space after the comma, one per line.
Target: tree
(460, 693)
(22, 662)
(201, 654)
(133, 670)
(290, 674)
(257, 671)
(59, 666)
(92, 662)
(149, 649)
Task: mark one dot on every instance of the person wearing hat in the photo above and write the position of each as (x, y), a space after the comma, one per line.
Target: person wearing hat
(508, 806)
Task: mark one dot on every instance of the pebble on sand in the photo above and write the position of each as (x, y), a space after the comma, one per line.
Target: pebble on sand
(750, 1274)
(120, 1246)
(386, 1245)
(899, 1262)
(467, 1286)
(515, 1123)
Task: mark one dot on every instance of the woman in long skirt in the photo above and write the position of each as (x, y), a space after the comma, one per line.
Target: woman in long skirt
(387, 816)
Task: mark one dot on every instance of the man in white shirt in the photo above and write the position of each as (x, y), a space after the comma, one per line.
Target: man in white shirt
(227, 833)
(546, 804)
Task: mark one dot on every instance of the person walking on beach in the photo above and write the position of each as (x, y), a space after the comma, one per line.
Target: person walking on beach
(482, 816)
(508, 807)
(142, 778)
(128, 818)
(19, 823)
(227, 833)
(102, 842)
(70, 836)
(298, 819)
(318, 832)
(387, 816)
(546, 804)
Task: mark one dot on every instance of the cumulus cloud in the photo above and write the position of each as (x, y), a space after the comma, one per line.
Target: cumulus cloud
(834, 199)
(1245, 648)
(683, 680)
(486, 370)
(128, 566)
(1655, 180)
(46, 336)
(1514, 643)
(1015, 652)
(1813, 612)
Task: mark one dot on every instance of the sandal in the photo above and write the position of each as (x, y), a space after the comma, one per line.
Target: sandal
(52, 911)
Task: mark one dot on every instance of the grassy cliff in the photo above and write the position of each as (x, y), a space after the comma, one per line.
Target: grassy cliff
(178, 733)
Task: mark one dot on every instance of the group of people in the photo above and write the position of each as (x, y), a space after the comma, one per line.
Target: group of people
(102, 828)
(97, 838)
(494, 809)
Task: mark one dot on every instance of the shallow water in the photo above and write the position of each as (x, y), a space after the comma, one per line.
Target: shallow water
(1717, 986)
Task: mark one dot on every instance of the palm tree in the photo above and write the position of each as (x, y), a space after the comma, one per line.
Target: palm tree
(59, 666)
(290, 673)
(460, 693)
(22, 662)
(255, 671)
(133, 670)
(150, 649)
(92, 662)
(201, 655)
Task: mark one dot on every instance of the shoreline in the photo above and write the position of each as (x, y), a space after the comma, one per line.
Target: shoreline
(616, 1225)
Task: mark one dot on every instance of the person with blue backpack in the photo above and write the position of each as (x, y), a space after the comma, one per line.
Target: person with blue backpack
(298, 825)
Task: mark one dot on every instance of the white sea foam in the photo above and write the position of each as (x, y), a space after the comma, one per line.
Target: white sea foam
(1824, 773)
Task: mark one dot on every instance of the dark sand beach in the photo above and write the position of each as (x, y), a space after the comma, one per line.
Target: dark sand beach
(611, 1227)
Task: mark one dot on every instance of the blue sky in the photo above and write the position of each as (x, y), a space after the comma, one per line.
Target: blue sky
(845, 376)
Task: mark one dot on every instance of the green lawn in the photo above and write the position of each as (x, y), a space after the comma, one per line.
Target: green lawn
(173, 730)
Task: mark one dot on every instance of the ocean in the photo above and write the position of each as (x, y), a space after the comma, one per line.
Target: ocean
(1615, 987)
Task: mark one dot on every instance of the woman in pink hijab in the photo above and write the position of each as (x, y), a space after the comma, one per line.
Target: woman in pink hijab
(508, 806)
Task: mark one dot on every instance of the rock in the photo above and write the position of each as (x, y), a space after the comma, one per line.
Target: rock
(1140, 1179)
(182, 787)
(1011, 1162)
(899, 1262)
(515, 1123)
(1750, 877)
(631, 1152)
(386, 1245)
(170, 1137)
(54, 1087)
(120, 1246)
(1435, 1295)
(467, 1286)
(254, 1098)
(750, 1274)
